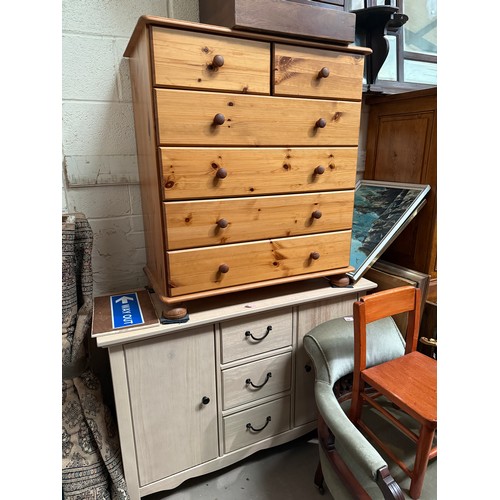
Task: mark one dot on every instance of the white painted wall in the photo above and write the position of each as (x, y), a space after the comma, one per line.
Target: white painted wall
(100, 175)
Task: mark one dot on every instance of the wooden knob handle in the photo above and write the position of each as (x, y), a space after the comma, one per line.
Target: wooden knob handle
(320, 169)
(219, 119)
(223, 268)
(321, 123)
(314, 255)
(324, 73)
(222, 223)
(218, 61)
(221, 173)
(317, 214)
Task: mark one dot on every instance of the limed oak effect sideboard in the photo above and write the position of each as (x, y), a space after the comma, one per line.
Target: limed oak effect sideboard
(195, 397)
(247, 152)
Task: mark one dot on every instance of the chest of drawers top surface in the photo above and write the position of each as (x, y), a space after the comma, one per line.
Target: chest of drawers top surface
(247, 149)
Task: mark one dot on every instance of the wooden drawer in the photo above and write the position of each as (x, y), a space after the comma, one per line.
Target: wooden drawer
(193, 172)
(198, 223)
(187, 118)
(253, 381)
(267, 420)
(297, 73)
(265, 332)
(199, 269)
(186, 59)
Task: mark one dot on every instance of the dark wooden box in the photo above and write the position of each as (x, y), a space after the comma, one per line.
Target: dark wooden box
(298, 18)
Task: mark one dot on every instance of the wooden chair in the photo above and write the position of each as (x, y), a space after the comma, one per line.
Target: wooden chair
(409, 382)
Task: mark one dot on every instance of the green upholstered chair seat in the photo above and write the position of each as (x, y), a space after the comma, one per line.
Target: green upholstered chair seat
(330, 347)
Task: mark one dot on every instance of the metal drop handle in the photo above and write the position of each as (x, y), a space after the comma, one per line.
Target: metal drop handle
(249, 382)
(249, 334)
(250, 427)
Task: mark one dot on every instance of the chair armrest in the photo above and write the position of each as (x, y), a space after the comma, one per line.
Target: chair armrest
(365, 473)
(354, 448)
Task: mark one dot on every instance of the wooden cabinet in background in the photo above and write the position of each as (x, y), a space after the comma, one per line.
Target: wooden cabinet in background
(402, 147)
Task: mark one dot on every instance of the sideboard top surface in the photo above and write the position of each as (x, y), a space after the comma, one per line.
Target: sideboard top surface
(215, 309)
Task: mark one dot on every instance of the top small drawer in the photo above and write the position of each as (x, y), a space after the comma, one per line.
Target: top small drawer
(245, 337)
(306, 72)
(188, 59)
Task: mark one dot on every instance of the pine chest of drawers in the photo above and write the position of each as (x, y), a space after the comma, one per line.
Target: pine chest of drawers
(247, 151)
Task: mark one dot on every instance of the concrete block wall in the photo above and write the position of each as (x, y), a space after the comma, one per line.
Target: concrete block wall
(99, 165)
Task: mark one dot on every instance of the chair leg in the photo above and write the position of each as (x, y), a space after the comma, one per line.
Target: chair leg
(421, 460)
(319, 479)
(356, 401)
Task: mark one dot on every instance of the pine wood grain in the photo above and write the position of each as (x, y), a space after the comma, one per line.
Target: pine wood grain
(140, 70)
(187, 118)
(296, 73)
(195, 223)
(149, 21)
(184, 59)
(197, 269)
(192, 172)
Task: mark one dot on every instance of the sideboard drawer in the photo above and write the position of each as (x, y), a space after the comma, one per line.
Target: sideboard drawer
(265, 332)
(188, 59)
(258, 423)
(306, 72)
(199, 223)
(190, 118)
(220, 172)
(209, 268)
(256, 380)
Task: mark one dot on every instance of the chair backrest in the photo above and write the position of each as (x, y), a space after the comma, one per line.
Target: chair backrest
(381, 305)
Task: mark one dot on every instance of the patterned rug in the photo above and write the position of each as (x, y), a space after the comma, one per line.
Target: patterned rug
(91, 459)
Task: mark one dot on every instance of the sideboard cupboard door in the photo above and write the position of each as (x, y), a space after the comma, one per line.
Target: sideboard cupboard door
(310, 316)
(173, 402)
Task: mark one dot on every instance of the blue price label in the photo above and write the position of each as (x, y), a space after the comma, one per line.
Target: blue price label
(126, 310)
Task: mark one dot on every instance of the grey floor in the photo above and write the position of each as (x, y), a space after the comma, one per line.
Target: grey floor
(285, 472)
